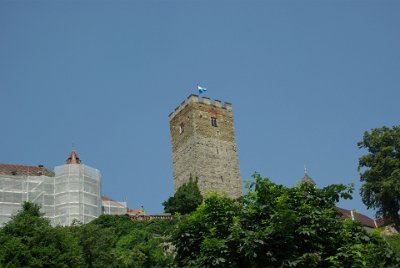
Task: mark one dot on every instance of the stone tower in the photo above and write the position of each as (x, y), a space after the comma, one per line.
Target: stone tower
(204, 146)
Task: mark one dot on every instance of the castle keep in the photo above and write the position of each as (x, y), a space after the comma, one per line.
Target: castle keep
(204, 146)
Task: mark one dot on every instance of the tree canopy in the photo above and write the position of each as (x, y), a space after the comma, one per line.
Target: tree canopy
(28, 240)
(380, 172)
(185, 200)
(117, 241)
(277, 226)
(270, 226)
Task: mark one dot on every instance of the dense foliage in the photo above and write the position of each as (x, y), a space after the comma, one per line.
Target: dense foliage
(28, 240)
(117, 241)
(394, 241)
(276, 226)
(185, 200)
(380, 172)
(271, 226)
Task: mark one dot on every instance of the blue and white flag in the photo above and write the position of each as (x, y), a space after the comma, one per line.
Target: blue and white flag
(201, 89)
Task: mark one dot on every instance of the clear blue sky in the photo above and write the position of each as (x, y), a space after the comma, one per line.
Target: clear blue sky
(306, 79)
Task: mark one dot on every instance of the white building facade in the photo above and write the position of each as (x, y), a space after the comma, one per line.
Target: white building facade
(71, 193)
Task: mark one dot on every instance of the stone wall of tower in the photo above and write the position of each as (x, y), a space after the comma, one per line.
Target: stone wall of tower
(204, 151)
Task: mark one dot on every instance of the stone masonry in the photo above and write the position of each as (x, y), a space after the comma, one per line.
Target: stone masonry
(204, 146)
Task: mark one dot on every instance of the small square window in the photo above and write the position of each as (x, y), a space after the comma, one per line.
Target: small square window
(181, 128)
(214, 122)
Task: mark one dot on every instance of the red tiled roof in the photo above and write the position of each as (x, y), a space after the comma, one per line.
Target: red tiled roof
(20, 170)
(365, 220)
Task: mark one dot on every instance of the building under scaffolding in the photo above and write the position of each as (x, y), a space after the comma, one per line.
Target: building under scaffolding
(112, 207)
(25, 183)
(77, 194)
(72, 192)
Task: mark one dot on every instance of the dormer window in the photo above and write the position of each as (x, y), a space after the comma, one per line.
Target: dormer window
(214, 122)
(181, 128)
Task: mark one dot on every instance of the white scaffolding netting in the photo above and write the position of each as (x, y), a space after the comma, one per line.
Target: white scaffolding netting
(112, 207)
(73, 194)
(14, 190)
(77, 194)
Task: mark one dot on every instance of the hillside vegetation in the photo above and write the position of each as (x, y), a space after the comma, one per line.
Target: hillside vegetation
(271, 226)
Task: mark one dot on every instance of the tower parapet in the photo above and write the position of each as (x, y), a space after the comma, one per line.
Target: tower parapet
(196, 99)
(204, 146)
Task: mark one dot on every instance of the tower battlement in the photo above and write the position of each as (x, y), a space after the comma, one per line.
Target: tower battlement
(204, 146)
(193, 98)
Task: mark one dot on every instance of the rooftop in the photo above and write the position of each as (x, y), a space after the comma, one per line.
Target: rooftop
(365, 220)
(129, 211)
(22, 170)
(306, 178)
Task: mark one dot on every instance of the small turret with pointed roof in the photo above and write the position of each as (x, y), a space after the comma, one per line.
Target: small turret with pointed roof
(306, 178)
(73, 158)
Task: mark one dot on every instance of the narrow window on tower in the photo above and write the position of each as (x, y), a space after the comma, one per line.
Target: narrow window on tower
(181, 128)
(214, 122)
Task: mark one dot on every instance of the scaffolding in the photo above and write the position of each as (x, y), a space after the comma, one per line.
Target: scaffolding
(14, 190)
(77, 189)
(112, 207)
(72, 194)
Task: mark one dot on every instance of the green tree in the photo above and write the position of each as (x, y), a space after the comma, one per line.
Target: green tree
(394, 241)
(28, 240)
(141, 248)
(185, 200)
(117, 241)
(139, 243)
(207, 236)
(120, 225)
(380, 172)
(277, 226)
(97, 244)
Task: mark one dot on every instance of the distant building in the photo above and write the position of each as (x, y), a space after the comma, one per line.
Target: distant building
(77, 192)
(306, 178)
(25, 183)
(343, 213)
(204, 146)
(112, 207)
(71, 192)
(366, 221)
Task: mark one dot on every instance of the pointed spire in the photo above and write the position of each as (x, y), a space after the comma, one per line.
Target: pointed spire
(73, 158)
(306, 178)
